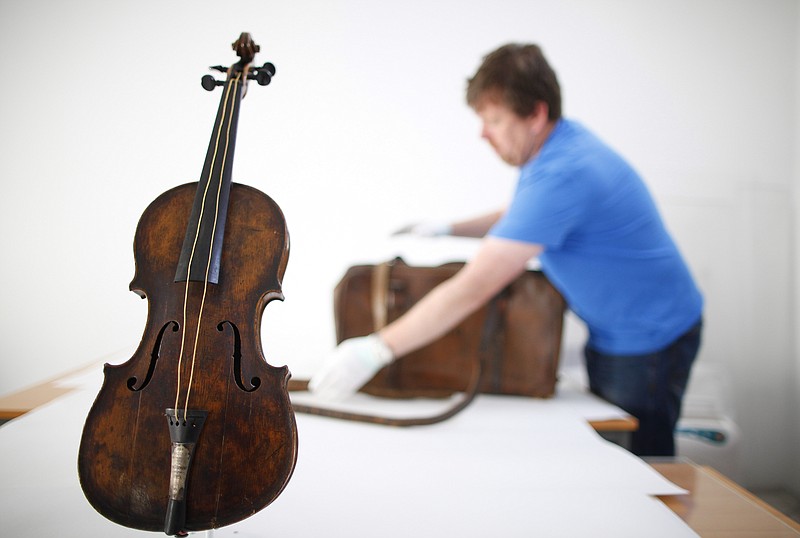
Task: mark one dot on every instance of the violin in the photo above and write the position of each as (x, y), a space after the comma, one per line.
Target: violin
(196, 431)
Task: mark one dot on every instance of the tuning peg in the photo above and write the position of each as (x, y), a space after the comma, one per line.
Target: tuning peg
(263, 75)
(209, 83)
(269, 68)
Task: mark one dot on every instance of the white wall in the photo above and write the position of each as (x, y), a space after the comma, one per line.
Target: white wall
(364, 129)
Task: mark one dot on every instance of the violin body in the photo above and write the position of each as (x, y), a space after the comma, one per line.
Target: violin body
(145, 460)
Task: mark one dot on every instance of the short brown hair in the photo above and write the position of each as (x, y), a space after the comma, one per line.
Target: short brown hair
(518, 76)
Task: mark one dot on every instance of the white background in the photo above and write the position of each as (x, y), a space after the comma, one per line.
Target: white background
(365, 129)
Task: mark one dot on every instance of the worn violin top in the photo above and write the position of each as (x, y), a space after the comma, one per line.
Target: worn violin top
(196, 431)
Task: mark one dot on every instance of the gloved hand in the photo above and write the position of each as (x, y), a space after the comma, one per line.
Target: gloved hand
(426, 229)
(350, 366)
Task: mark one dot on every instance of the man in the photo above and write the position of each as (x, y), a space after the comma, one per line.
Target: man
(587, 215)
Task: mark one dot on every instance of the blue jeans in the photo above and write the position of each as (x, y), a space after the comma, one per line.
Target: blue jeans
(649, 387)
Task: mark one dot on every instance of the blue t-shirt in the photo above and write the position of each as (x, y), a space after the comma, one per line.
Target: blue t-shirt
(605, 246)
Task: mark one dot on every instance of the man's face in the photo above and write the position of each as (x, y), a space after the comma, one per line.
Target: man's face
(513, 138)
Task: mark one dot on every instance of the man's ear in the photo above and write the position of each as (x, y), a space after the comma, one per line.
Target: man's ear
(541, 113)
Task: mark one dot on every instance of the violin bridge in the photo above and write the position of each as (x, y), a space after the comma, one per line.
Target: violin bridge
(184, 431)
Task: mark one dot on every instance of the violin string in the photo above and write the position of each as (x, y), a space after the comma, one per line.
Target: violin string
(189, 266)
(234, 83)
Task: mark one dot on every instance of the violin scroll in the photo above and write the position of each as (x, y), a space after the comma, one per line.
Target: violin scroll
(246, 49)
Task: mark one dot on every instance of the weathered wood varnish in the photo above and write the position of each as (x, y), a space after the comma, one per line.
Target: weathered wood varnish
(196, 430)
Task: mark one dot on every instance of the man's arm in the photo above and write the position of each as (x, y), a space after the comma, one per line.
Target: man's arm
(497, 263)
(475, 227)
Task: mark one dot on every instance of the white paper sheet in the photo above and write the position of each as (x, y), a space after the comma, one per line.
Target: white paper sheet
(503, 467)
(497, 469)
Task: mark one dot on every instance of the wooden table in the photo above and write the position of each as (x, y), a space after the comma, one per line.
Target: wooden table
(16, 404)
(626, 425)
(718, 507)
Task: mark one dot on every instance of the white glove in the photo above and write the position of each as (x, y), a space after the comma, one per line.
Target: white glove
(350, 366)
(426, 229)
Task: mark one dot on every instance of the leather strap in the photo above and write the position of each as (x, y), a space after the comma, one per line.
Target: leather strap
(472, 390)
(380, 295)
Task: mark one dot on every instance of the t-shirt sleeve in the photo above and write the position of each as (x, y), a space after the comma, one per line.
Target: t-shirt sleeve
(544, 210)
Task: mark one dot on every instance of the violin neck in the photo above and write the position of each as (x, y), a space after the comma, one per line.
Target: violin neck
(203, 248)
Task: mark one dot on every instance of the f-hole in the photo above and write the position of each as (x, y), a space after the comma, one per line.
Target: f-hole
(154, 355)
(255, 382)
